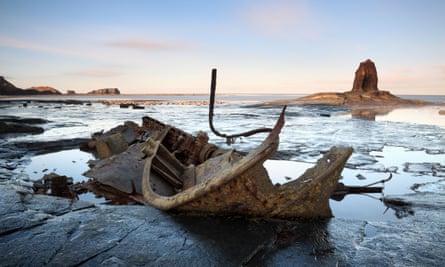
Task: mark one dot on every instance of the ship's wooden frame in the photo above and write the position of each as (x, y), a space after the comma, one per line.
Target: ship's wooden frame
(230, 183)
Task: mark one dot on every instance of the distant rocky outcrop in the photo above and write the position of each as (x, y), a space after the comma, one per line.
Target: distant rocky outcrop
(105, 91)
(42, 90)
(364, 92)
(7, 88)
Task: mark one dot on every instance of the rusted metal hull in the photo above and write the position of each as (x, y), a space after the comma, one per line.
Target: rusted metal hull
(234, 184)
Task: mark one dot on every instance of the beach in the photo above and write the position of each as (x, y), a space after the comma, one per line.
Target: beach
(408, 142)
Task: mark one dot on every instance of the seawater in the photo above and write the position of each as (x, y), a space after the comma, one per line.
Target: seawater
(408, 142)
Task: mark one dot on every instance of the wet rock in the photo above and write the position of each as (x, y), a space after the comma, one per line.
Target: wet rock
(430, 187)
(10, 125)
(361, 160)
(394, 242)
(427, 168)
(138, 107)
(44, 147)
(13, 128)
(14, 119)
(58, 231)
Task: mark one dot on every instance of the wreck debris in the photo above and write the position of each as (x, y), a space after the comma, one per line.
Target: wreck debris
(229, 138)
(188, 149)
(381, 181)
(185, 173)
(231, 183)
(118, 177)
(342, 190)
(115, 141)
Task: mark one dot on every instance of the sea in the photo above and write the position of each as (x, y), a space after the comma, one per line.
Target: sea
(407, 143)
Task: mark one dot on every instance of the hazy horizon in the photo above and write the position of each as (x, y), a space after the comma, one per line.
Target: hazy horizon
(261, 47)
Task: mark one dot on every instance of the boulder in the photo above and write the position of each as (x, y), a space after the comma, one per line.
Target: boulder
(365, 77)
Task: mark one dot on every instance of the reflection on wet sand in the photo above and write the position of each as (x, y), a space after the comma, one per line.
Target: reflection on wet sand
(370, 114)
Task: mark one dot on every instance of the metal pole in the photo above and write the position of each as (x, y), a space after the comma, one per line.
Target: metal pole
(211, 108)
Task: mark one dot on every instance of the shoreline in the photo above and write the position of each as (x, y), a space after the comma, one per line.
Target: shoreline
(248, 100)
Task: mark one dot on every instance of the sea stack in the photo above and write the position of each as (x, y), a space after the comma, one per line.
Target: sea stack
(365, 92)
(365, 78)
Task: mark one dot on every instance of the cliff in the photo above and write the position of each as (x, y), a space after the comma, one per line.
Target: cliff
(7, 88)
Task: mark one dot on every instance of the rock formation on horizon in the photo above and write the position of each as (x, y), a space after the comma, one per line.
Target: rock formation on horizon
(365, 77)
(364, 92)
(46, 90)
(105, 91)
(7, 88)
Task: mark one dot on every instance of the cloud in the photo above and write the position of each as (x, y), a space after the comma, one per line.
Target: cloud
(278, 18)
(144, 44)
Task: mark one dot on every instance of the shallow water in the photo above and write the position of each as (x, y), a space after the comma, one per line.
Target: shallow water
(410, 143)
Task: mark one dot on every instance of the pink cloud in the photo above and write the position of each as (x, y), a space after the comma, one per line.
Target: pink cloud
(280, 18)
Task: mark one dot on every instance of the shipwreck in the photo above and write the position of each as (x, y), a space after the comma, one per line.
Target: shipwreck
(172, 170)
(231, 183)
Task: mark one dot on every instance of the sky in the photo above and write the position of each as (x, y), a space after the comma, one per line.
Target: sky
(262, 46)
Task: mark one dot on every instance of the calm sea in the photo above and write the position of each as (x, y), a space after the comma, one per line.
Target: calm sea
(231, 98)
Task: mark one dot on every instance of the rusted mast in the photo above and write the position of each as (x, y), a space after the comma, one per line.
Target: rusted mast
(211, 107)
